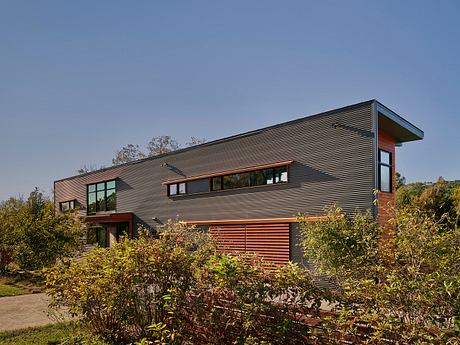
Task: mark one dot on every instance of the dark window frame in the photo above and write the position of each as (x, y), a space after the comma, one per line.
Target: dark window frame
(95, 192)
(390, 166)
(252, 184)
(178, 192)
(71, 205)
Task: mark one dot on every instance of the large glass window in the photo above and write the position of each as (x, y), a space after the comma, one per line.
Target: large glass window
(385, 171)
(101, 196)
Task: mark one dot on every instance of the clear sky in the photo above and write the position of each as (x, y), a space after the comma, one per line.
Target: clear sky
(80, 79)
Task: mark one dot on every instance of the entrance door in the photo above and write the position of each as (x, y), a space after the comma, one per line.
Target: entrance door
(111, 234)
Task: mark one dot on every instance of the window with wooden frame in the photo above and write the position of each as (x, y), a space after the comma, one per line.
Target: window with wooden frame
(277, 173)
(385, 171)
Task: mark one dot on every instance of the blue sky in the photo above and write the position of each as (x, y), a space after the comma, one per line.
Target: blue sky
(80, 79)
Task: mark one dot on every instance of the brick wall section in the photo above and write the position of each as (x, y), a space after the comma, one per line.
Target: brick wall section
(387, 201)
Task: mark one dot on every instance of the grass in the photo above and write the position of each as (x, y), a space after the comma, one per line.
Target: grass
(9, 290)
(13, 284)
(53, 334)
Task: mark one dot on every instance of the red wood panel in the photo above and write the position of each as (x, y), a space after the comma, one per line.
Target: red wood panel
(387, 201)
(268, 241)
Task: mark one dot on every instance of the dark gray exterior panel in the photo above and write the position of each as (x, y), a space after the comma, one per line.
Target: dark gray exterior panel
(332, 164)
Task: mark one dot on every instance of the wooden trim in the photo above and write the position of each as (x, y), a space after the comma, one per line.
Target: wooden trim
(256, 221)
(228, 172)
(228, 190)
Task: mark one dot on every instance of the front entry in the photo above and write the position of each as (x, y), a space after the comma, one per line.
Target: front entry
(108, 234)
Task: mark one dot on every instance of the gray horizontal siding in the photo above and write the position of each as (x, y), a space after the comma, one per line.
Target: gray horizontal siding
(332, 165)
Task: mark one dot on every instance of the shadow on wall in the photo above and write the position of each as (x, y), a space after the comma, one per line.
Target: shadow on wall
(123, 186)
(299, 172)
(138, 223)
(361, 132)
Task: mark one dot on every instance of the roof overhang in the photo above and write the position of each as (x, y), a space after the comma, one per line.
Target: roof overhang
(109, 217)
(395, 125)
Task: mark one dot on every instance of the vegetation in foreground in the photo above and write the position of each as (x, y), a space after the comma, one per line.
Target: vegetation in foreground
(175, 289)
(404, 286)
(403, 280)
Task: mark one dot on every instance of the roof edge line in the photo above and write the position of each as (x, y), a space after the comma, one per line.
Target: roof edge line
(229, 138)
(399, 120)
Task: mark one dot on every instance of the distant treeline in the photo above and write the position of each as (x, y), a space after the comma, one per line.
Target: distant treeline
(441, 198)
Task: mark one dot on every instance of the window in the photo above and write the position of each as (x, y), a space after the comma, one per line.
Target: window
(101, 197)
(251, 178)
(385, 171)
(280, 174)
(67, 205)
(236, 181)
(198, 186)
(173, 189)
(216, 183)
(177, 188)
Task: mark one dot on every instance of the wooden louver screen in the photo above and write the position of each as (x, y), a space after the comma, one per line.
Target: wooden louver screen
(269, 241)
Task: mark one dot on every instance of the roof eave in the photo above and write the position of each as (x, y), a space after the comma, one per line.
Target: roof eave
(412, 132)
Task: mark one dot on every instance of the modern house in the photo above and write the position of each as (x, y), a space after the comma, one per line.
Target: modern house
(247, 189)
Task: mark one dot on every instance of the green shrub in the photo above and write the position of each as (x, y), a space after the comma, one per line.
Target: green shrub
(440, 199)
(239, 301)
(407, 288)
(340, 244)
(122, 290)
(33, 236)
(174, 289)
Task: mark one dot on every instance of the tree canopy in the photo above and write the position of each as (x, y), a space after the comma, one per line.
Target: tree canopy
(156, 146)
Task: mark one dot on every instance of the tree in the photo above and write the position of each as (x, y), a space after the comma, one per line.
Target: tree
(400, 180)
(162, 144)
(35, 234)
(196, 141)
(127, 154)
(89, 168)
(156, 146)
(441, 199)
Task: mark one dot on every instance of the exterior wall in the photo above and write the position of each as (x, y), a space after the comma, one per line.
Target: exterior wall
(332, 155)
(387, 201)
(295, 249)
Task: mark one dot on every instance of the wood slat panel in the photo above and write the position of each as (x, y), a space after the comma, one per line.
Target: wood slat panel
(268, 241)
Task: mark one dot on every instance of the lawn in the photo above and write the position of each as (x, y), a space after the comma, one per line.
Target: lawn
(20, 284)
(10, 290)
(53, 334)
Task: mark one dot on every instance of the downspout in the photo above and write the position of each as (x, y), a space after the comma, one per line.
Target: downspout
(375, 128)
(54, 196)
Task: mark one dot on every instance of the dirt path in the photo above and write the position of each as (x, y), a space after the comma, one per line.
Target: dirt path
(24, 311)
